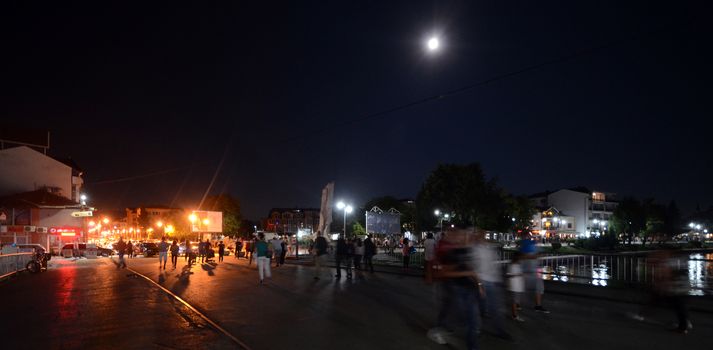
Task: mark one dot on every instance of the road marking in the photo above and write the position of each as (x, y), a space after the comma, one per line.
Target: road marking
(204, 317)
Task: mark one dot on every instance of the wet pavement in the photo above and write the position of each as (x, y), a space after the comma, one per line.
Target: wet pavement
(92, 304)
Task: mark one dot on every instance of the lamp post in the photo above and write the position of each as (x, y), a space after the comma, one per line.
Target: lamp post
(347, 209)
(441, 216)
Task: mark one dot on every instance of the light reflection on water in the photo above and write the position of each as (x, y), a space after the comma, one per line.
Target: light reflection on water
(603, 271)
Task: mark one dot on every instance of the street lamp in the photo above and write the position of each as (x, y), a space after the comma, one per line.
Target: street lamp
(347, 209)
(441, 216)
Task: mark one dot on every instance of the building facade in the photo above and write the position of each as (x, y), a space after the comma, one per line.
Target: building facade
(41, 217)
(290, 220)
(591, 211)
(23, 169)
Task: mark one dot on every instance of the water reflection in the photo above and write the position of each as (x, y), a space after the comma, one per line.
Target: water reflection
(621, 269)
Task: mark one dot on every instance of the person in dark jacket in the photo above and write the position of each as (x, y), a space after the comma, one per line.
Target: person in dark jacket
(319, 250)
(369, 252)
(341, 256)
(174, 253)
(283, 254)
(221, 251)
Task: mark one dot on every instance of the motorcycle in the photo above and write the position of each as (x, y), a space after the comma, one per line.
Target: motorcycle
(38, 262)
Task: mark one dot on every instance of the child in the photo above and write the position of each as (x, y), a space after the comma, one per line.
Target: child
(516, 285)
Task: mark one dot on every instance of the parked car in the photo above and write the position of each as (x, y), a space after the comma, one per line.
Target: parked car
(149, 248)
(106, 252)
(68, 250)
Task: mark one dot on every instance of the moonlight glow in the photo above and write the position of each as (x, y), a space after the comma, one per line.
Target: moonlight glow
(433, 44)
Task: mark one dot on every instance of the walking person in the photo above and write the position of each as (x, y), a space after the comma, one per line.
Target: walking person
(187, 250)
(429, 252)
(319, 250)
(369, 252)
(458, 285)
(516, 286)
(532, 273)
(201, 250)
(489, 282)
(349, 257)
(238, 247)
(341, 256)
(263, 260)
(277, 249)
(406, 252)
(221, 251)
(162, 253)
(249, 250)
(121, 249)
(174, 253)
(283, 253)
(358, 253)
(129, 249)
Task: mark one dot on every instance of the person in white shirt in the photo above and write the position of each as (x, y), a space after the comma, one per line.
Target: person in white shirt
(490, 280)
(277, 249)
(516, 286)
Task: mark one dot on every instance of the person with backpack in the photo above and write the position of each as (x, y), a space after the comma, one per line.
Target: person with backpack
(369, 252)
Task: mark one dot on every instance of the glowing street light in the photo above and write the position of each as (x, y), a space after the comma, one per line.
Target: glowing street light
(347, 209)
(192, 218)
(105, 221)
(206, 222)
(441, 216)
(159, 224)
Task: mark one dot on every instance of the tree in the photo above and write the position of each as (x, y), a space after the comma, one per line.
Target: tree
(673, 221)
(230, 207)
(464, 192)
(358, 230)
(522, 210)
(628, 218)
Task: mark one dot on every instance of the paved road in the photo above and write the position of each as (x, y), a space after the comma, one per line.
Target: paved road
(91, 304)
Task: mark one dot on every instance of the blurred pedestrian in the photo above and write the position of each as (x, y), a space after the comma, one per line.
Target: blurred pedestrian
(358, 253)
(221, 251)
(489, 281)
(429, 252)
(276, 249)
(263, 261)
(458, 284)
(406, 253)
(319, 250)
(250, 250)
(532, 273)
(670, 289)
(369, 252)
(129, 249)
(121, 250)
(349, 257)
(239, 248)
(174, 253)
(187, 250)
(341, 256)
(201, 250)
(283, 252)
(516, 286)
(162, 253)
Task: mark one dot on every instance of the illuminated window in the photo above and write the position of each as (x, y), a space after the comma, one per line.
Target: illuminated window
(598, 196)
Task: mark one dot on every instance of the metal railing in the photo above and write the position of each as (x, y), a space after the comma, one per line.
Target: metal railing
(11, 264)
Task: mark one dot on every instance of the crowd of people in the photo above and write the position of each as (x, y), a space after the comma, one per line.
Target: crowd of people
(473, 283)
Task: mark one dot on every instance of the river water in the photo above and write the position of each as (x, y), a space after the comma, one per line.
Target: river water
(694, 271)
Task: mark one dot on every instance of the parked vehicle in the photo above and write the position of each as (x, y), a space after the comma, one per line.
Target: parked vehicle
(38, 262)
(149, 248)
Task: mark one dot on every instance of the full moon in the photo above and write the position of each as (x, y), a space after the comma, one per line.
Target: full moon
(433, 44)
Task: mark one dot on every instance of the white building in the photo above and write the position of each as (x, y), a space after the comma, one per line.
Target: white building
(22, 169)
(591, 210)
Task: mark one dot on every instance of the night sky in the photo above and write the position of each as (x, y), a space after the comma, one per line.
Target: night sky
(154, 100)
